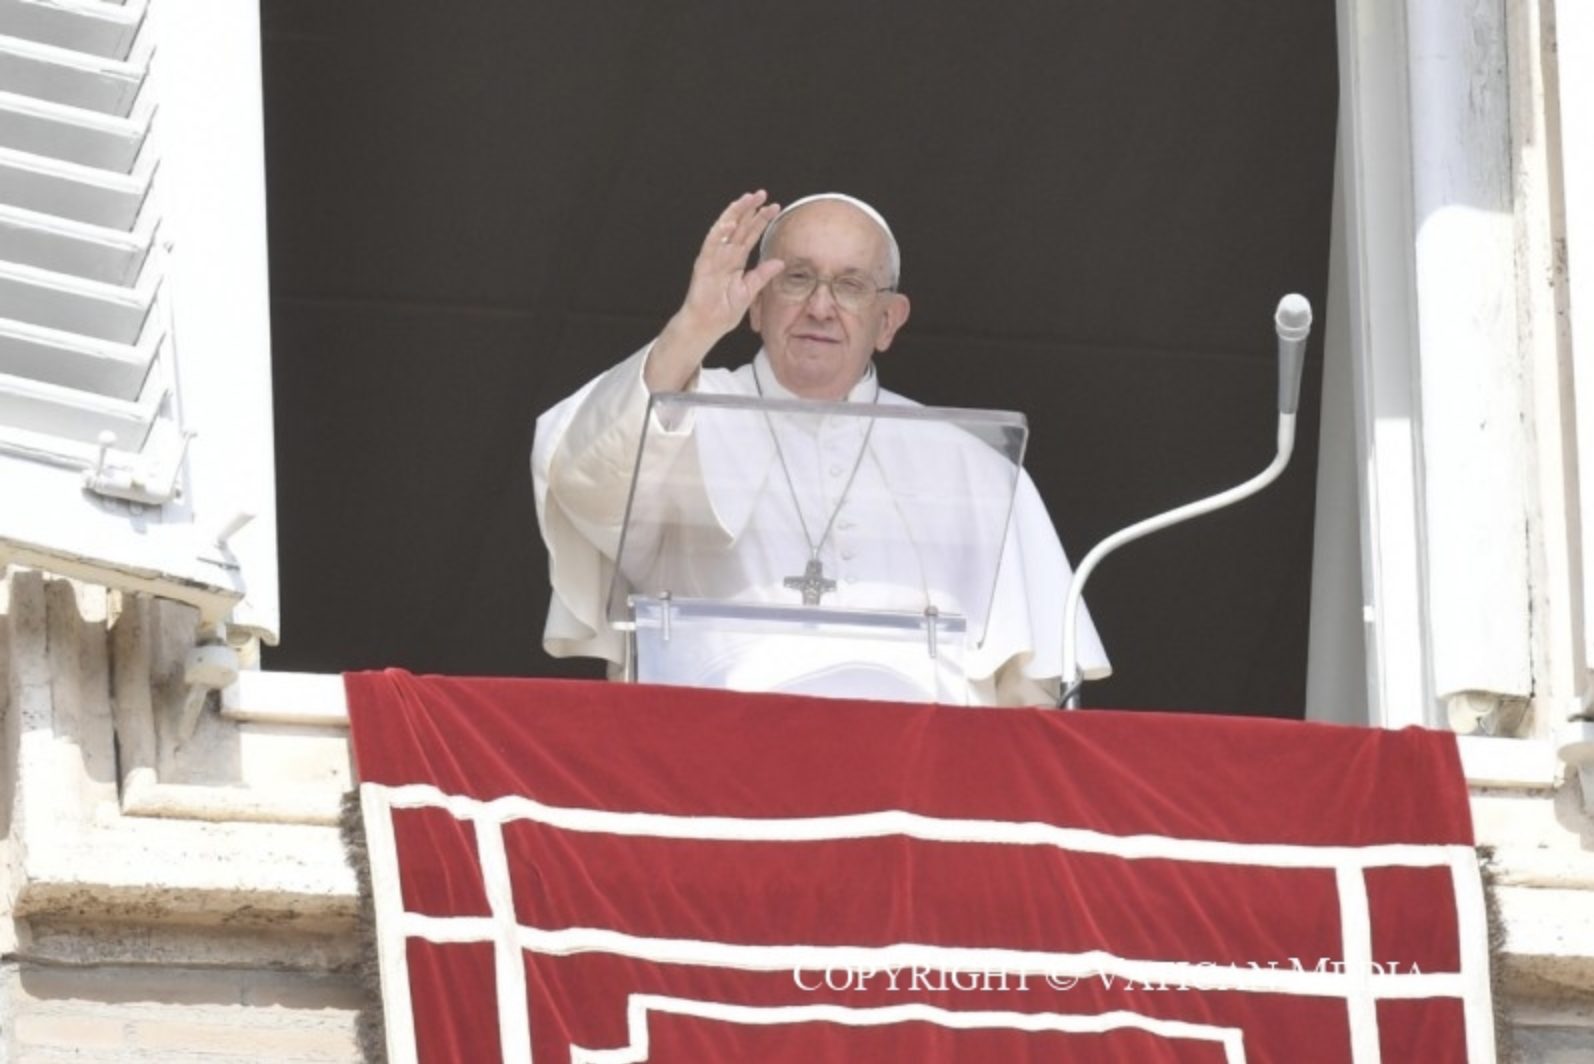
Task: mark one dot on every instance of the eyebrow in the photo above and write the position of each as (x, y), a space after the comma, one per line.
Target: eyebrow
(851, 271)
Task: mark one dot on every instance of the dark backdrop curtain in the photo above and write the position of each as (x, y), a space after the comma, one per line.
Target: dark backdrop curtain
(474, 208)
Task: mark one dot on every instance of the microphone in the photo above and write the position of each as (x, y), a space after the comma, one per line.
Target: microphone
(1293, 322)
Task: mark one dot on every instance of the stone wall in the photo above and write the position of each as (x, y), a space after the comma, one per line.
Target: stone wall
(167, 893)
(149, 1012)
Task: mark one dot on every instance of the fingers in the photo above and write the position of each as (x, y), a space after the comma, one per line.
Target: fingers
(722, 286)
(724, 228)
(760, 275)
(752, 226)
(739, 226)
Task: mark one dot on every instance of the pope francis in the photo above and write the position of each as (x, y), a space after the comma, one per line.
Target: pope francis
(824, 297)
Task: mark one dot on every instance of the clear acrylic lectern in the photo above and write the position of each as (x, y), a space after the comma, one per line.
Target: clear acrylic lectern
(841, 549)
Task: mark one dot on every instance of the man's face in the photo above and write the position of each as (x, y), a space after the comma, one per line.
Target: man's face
(819, 349)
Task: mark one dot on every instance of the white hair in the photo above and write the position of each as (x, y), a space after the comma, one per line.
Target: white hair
(893, 253)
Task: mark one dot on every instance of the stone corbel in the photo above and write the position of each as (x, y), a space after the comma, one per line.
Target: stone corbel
(161, 689)
(1577, 750)
(207, 669)
(1487, 713)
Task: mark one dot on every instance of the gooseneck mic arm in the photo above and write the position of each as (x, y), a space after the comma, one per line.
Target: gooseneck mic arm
(1293, 323)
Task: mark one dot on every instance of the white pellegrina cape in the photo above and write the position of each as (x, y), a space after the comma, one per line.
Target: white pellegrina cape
(582, 463)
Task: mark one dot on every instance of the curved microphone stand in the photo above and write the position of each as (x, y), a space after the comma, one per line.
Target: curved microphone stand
(1293, 323)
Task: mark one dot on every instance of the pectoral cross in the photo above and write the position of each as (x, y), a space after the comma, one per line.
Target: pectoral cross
(812, 583)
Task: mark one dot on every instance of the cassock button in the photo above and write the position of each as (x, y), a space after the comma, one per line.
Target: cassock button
(848, 554)
(835, 471)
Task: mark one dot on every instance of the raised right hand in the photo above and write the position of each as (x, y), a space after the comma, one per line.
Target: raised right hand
(721, 290)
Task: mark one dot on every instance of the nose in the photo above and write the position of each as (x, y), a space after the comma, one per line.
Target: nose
(822, 301)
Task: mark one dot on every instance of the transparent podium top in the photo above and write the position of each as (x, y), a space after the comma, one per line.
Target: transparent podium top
(874, 508)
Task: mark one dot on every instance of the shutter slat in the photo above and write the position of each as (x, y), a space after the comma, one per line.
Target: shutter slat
(71, 134)
(93, 252)
(66, 413)
(101, 29)
(63, 76)
(68, 190)
(61, 301)
(69, 360)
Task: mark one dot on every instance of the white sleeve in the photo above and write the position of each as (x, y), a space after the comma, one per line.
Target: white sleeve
(581, 465)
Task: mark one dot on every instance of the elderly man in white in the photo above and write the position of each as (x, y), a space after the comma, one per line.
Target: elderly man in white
(823, 297)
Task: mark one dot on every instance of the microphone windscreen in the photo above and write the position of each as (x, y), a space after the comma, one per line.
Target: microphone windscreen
(1293, 320)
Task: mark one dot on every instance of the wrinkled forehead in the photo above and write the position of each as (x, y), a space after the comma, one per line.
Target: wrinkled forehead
(830, 226)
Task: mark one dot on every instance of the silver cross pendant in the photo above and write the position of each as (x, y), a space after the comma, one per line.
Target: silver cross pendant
(813, 583)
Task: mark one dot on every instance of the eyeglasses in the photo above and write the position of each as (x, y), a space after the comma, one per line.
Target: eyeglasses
(851, 291)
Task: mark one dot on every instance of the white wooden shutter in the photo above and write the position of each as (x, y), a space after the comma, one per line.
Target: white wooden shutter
(1574, 29)
(135, 384)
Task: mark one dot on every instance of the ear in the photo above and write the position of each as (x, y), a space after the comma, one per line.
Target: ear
(892, 317)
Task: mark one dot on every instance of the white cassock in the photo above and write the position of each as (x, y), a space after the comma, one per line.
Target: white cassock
(743, 545)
